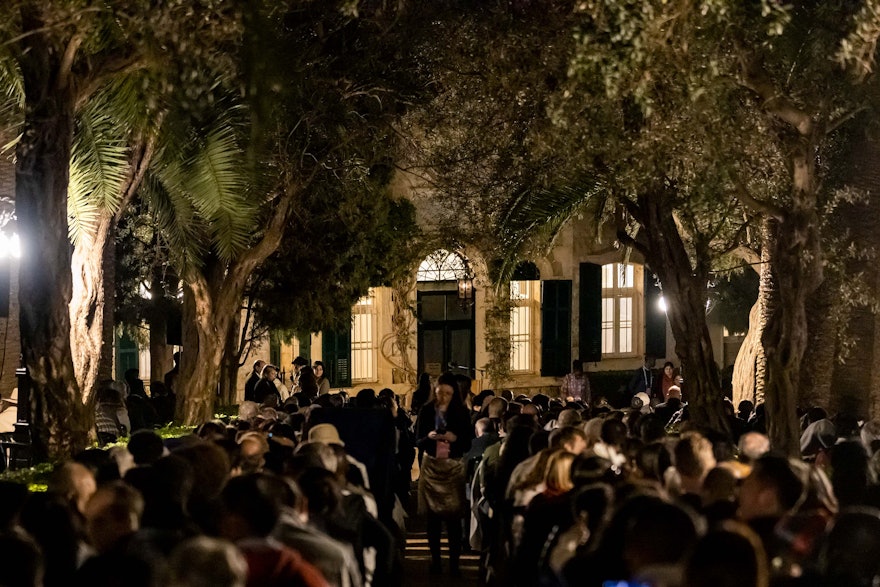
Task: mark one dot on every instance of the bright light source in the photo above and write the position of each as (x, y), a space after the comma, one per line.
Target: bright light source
(661, 303)
(9, 245)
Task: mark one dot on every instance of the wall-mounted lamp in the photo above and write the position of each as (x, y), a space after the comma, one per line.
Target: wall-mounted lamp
(466, 289)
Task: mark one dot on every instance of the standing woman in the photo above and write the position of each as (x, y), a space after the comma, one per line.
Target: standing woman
(443, 430)
(323, 382)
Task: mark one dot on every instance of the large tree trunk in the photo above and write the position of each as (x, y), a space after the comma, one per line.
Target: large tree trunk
(748, 368)
(684, 288)
(93, 303)
(60, 420)
(821, 350)
(874, 397)
(796, 272)
(88, 304)
(213, 296)
(231, 361)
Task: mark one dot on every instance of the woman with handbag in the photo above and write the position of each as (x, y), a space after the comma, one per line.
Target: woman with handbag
(443, 432)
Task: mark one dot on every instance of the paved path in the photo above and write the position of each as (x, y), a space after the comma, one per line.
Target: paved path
(418, 558)
(418, 555)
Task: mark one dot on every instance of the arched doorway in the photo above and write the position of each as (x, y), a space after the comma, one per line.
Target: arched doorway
(446, 320)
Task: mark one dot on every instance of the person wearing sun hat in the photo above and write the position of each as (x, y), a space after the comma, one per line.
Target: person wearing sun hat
(326, 433)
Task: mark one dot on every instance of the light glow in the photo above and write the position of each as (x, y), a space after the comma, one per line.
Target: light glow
(10, 246)
(661, 303)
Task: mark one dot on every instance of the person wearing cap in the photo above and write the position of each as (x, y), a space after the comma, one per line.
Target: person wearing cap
(328, 434)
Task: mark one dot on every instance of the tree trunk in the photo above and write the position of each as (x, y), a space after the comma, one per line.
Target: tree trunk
(231, 361)
(820, 353)
(211, 298)
(88, 304)
(796, 272)
(874, 397)
(60, 420)
(161, 360)
(684, 289)
(745, 368)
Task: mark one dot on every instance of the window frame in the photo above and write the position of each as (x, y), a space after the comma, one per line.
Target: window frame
(366, 306)
(616, 293)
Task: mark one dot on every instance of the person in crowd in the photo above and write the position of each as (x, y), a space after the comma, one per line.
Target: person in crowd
(642, 379)
(265, 387)
(669, 378)
(250, 512)
(170, 379)
(421, 395)
(729, 556)
(323, 382)
(298, 364)
(693, 461)
(203, 561)
(443, 432)
(111, 415)
(163, 402)
(251, 384)
(308, 383)
(576, 385)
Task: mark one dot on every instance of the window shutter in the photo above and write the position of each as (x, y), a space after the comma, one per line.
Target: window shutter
(336, 353)
(555, 328)
(655, 318)
(590, 306)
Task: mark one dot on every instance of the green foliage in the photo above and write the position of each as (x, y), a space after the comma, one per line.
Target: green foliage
(733, 294)
(36, 478)
(336, 251)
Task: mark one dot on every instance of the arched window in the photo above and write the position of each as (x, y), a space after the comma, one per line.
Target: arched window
(442, 265)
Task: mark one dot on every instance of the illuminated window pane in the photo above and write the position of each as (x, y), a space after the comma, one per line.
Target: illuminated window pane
(521, 326)
(619, 308)
(364, 350)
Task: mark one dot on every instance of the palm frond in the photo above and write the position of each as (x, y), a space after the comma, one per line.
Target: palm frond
(99, 159)
(539, 214)
(11, 100)
(218, 186)
(176, 217)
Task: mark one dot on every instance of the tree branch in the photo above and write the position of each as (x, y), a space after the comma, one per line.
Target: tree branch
(67, 60)
(843, 119)
(755, 78)
(108, 68)
(760, 206)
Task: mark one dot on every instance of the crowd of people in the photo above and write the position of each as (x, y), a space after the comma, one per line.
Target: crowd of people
(311, 489)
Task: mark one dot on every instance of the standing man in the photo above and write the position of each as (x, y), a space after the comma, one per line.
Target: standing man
(298, 363)
(251, 383)
(575, 385)
(643, 378)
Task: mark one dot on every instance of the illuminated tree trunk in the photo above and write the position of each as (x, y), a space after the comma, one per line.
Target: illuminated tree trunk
(748, 368)
(93, 302)
(213, 296)
(60, 420)
(684, 288)
(796, 271)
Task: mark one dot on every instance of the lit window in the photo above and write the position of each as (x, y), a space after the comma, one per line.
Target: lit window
(522, 324)
(620, 296)
(364, 351)
(441, 265)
